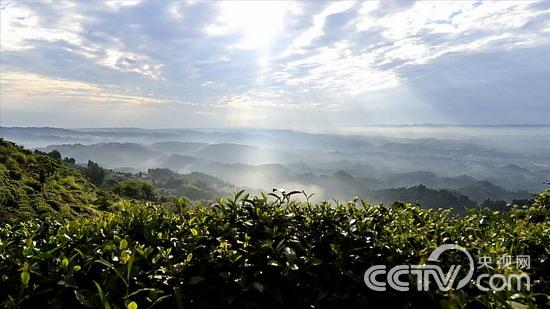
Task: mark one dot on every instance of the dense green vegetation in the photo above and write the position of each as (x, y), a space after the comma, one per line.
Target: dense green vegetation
(243, 252)
(429, 198)
(248, 252)
(34, 183)
(195, 186)
(161, 184)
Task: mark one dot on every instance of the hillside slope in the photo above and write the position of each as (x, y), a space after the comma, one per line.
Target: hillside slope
(34, 183)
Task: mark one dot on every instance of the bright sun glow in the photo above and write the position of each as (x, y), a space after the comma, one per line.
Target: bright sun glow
(259, 22)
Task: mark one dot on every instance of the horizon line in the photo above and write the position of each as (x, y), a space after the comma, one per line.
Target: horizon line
(282, 129)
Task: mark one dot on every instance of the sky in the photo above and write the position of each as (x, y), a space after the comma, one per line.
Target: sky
(281, 64)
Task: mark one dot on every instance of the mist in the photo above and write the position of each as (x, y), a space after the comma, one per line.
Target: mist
(479, 162)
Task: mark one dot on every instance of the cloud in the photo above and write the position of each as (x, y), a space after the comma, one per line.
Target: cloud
(269, 99)
(23, 28)
(407, 36)
(316, 30)
(20, 26)
(337, 69)
(19, 87)
(507, 85)
(333, 60)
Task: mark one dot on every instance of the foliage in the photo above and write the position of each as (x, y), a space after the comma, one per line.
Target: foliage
(42, 184)
(34, 183)
(429, 198)
(135, 189)
(196, 186)
(250, 252)
(66, 243)
(95, 173)
(55, 154)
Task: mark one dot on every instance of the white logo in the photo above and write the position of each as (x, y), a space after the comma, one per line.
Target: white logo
(397, 277)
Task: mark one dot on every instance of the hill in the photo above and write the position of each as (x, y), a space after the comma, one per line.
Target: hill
(482, 190)
(34, 183)
(428, 198)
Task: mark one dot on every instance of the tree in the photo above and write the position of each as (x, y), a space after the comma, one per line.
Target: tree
(55, 154)
(42, 178)
(69, 160)
(160, 175)
(95, 173)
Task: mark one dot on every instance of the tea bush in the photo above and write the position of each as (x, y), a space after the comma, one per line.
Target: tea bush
(250, 252)
(36, 184)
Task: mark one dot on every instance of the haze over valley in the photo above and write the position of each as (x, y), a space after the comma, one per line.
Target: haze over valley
(439, 163)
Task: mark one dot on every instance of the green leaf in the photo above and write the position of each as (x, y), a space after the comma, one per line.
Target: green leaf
(123, 244)
(189, 258)
(102, 297)
(25, 277)
(141, 290)
(65, 262)
(132, 305)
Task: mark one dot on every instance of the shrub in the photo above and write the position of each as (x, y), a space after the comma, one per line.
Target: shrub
(249, 252)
